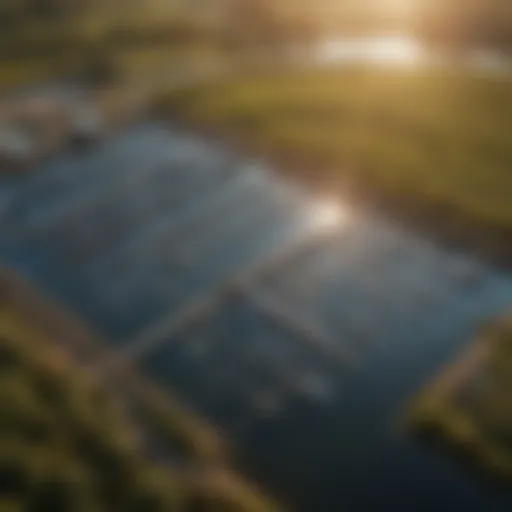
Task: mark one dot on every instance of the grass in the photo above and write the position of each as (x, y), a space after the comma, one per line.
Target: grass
(469, 408)
(436, 141)
(20, 72)
(32, 51)
(165, 59)
(65, 444)
(152, 62)
(44, 50)
(80, 437)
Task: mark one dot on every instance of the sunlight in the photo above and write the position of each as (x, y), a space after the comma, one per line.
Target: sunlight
(386, 49)
(328, 215)
(397, 49)
(402, 10)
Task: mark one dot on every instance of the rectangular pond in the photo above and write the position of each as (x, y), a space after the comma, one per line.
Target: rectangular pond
(311, 344)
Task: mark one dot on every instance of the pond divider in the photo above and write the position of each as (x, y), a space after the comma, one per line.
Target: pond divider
(200, 307)
(304, 328)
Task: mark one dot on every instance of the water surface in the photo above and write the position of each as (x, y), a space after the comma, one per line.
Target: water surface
(133, 230)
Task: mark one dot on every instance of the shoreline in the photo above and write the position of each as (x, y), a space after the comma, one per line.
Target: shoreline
(179, 429)
(438, 223)
(437, 416)
(64, 329)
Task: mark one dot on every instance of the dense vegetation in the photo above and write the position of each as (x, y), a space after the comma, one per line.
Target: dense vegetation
(68, 443)
(433, 142)
(471, 410)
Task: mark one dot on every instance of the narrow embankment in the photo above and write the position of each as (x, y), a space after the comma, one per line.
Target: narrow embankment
(199, 458)
(467, 407)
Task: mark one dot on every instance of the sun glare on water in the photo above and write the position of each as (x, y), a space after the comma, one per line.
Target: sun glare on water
(328, 215)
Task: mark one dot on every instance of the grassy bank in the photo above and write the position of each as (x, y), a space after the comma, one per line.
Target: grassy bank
(469, 407)
(432, 144)
(66, 444)
(58, 437)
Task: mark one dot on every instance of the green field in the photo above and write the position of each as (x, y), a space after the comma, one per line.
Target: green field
(469, 408)
(143, 40)
(69, 443)
(435, 142)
